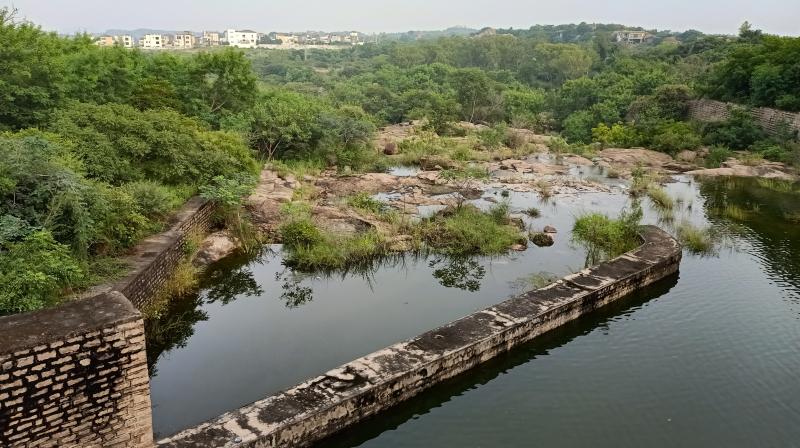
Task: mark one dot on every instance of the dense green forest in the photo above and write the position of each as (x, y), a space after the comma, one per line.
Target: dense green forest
(98, 146)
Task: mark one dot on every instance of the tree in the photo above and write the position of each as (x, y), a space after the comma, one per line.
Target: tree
(281, 122)
(30, 73)
(219, 83)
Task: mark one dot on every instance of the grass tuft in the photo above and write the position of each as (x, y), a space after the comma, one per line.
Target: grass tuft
(696, 240)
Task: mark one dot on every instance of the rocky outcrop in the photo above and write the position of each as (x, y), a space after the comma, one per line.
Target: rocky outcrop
(733, 167)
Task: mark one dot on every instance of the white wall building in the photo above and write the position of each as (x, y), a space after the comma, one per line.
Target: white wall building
(241, 38)
(152, 41)
(184, 40)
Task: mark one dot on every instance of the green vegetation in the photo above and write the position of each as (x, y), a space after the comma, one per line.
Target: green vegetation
(533, 212)
(696, 240)
(99, 146)
(604, 237)
(660, 198)
(466, 230)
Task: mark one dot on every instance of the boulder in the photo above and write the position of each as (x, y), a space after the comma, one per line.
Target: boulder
(549, 229)
(390, 148)
(541, 239)
(686, 156)
(215, 247)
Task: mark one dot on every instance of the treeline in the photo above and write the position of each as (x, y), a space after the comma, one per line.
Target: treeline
(590, 90)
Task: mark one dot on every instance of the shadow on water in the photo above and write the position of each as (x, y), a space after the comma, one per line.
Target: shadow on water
(442, 393)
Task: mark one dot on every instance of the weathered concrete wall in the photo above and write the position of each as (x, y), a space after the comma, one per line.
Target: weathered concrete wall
(324, 405)
(75, 376)
(156, 257)
(769, 119)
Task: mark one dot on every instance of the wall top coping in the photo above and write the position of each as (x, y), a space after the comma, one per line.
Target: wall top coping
(25, 331)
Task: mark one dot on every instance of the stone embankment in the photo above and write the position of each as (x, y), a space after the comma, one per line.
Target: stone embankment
(346, 395)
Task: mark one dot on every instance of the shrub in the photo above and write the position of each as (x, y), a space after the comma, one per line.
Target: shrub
(300, 233)
(35, 272)
(153, 200)
(617, 135)
(673, 137)
(739, 132)
(717, 155)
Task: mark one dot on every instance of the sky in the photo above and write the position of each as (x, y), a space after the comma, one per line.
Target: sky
(710, 16)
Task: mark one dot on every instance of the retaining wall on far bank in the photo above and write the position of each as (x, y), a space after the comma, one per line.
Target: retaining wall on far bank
(770, 120)
(346, 395)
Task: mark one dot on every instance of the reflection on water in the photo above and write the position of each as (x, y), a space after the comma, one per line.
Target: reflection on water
(715, 351)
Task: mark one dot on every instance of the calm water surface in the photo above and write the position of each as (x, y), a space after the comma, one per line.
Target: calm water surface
(709, 357)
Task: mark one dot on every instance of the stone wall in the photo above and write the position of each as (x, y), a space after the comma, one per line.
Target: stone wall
(769, 119)
(75, 376)
(156, 257)
(346, 395)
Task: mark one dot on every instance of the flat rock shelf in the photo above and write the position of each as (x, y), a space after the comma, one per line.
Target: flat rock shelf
(348, 394)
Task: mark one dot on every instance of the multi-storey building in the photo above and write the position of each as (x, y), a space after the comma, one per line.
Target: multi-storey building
(241, 38)
(184, 40)
(210, 39)
(152, 41)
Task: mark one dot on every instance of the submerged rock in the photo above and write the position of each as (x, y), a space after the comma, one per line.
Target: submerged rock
(215, 247)
(542, 239)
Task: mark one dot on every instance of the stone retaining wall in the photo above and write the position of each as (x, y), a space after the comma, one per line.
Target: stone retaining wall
(770, 120)
(346, 395)
(156, 257)
(75, 376)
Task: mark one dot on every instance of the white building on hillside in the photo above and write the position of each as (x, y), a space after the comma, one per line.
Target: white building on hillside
(152, 41)
(210, 39)
(241, 38)
(184, 40)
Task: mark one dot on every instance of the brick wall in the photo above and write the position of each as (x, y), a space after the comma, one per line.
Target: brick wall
(157, 256)
(75, 376)
(769, 119)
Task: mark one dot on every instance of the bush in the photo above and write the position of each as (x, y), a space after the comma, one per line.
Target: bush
(673, 137)
(717, 155)
(154, 200)
(35, 272)
(618, 135)
(739, 132)
(300, 233)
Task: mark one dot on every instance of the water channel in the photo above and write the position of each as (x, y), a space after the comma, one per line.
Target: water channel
(710, 357)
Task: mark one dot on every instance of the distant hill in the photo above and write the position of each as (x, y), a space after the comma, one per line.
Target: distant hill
(137, 33)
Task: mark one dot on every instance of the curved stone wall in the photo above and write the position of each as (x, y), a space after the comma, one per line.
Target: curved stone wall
(346, 395)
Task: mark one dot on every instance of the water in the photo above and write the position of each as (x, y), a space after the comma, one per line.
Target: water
(710, 357)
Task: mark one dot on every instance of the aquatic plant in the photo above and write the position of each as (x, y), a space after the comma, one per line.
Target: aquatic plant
(696, 240)
(660, 198)
(466, 230)
(605, 237)
(777, 185)
(533, 212)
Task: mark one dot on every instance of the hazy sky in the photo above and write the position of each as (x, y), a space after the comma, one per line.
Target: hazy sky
(712, 16)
